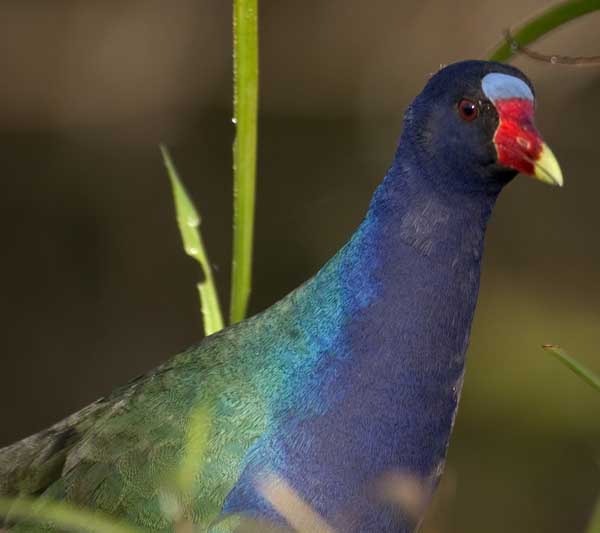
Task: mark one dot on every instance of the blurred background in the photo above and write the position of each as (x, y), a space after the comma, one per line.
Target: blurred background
(96, 288)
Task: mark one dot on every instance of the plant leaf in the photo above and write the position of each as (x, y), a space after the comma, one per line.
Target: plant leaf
(188, 221)
(199, 428)
(586, 374)
(62, 514)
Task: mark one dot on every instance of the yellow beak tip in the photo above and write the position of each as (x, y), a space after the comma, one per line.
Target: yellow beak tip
(547, 169)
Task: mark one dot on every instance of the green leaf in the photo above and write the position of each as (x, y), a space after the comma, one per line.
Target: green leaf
(199, 427)
(584, 373)
(245, 103)
(178, 494)
(43, 510)
(188, 221)
(547, 21)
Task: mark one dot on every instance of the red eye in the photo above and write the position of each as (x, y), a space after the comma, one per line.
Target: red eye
(467, 109)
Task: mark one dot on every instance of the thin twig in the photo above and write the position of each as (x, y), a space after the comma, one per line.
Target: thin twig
(554, 59)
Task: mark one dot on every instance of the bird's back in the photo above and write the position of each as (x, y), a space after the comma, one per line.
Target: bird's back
(124, 454)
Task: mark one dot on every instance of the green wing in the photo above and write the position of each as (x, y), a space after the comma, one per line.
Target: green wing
(122, 454)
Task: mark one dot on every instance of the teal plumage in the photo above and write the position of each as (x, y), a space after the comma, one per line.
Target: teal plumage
(242, 375)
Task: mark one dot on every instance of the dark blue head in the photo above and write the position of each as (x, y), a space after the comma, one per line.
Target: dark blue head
(471, 129)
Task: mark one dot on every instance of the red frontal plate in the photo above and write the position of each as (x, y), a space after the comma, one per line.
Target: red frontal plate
(518, 142)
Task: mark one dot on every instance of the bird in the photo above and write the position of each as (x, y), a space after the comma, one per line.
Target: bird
(340, 398)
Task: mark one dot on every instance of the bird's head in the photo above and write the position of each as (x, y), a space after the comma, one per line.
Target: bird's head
(474, 124)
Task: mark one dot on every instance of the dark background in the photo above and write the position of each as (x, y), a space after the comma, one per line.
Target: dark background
(96, 288)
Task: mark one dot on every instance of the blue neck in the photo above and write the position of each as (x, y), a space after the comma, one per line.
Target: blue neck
(420, 253)
(388, 373)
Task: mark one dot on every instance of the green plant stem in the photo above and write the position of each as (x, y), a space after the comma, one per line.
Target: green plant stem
(586, 374)
(245, 103)
(547, 21)
(41, 510)
(188, 221)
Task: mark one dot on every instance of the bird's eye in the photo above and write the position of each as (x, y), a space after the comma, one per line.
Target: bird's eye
(467, 109)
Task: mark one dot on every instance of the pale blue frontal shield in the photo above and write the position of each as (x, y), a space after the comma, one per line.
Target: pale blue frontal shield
(498, 86)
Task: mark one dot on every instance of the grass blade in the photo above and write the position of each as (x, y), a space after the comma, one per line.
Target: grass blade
(179, 493)
(63, 515)
(547, 21)
(245, 103)
(584, 373)
(188, 221)
(199, 428)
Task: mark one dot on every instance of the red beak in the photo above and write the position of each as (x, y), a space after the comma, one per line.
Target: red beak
(519, 144)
